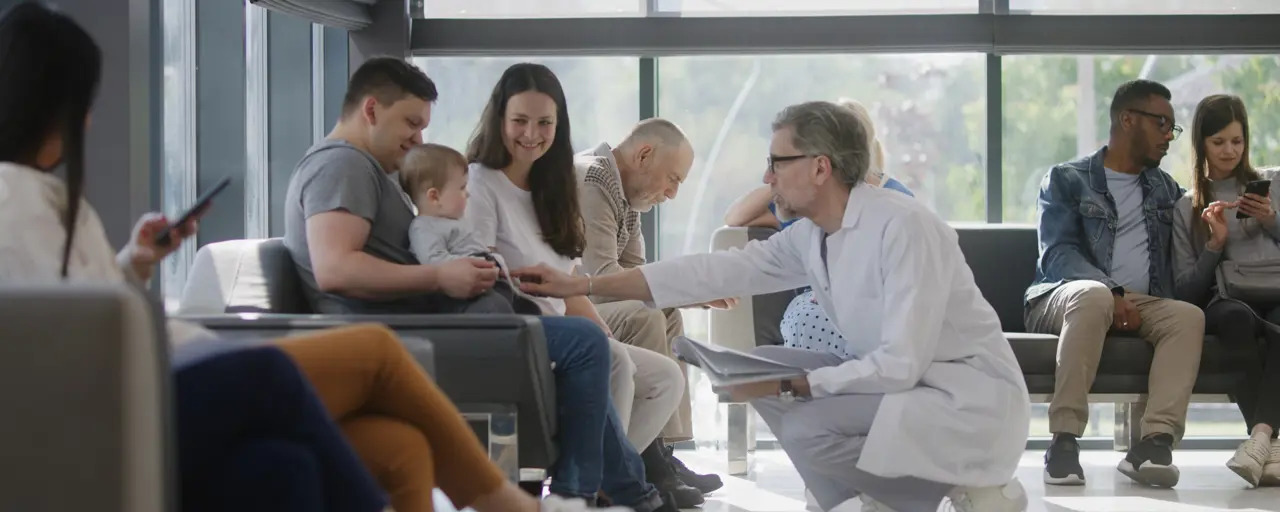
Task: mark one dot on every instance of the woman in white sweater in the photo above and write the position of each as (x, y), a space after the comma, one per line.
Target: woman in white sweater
(402, 427)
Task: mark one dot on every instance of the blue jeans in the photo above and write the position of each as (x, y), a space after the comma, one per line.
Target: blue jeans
(594, 451)
(253, 436)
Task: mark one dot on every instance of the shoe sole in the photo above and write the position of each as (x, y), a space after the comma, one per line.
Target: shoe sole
(708, 489)
(1066, 480)
(1150, 474)
(1249, 474)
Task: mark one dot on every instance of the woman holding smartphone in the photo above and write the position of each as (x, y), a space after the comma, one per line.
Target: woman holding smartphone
(1230, 214)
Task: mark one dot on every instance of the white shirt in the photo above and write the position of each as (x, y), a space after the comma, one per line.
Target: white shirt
(502, 216)
(955, 406)
(32, 204)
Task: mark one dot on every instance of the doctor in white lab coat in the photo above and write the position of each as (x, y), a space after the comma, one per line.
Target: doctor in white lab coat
(933, 405)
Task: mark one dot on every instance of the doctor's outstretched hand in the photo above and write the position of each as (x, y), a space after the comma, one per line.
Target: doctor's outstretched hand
(544, 281)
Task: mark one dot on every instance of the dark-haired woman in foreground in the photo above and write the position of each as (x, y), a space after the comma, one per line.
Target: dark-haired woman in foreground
(1206, 232)
(263, 428)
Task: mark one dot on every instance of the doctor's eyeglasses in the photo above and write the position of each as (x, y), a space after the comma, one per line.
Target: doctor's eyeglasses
(774, 160)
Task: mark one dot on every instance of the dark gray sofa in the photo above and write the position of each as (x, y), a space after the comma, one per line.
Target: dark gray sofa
(494, 367)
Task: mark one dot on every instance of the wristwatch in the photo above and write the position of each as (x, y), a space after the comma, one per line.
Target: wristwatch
(786, 393)
(1118, 291)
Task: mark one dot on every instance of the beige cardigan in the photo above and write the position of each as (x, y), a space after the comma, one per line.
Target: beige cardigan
(32, 203)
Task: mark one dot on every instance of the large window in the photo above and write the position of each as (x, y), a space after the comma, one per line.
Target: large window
(603, 95)
(1056, 108)
(929, 112)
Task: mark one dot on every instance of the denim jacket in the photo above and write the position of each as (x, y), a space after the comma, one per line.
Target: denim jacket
(1077, 226)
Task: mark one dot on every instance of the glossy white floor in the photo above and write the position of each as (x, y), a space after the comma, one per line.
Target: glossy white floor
(1206, 486)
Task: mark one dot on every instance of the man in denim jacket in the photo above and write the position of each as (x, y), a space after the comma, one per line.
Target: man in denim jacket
(1106, 265)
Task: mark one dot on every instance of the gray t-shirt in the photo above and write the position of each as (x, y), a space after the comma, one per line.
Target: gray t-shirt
(1130, 258)
(438, 239)
(334, 175)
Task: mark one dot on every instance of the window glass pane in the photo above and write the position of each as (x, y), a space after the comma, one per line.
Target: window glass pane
(803, 7)
(1056, 108)
(929, 112)
(1145, 6)
(603, 95)
(528, 9)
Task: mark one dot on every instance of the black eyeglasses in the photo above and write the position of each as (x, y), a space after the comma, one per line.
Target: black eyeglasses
(1164, 124)
(774, 160)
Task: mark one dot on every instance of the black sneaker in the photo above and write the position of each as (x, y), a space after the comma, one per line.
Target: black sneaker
(706, 483)
(658, 472)
(1151, 462)
(1062, 462)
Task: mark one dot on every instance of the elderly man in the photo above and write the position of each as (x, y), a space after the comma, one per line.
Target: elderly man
(617, 185)
(932, 405)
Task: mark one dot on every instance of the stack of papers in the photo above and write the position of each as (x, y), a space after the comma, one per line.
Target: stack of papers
(728, 367)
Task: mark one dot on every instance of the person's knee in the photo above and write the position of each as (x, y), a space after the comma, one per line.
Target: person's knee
(671, 380)
(1225, 315)
(1188, 320)
(1093, 299)
(589, 339)
(675, 321)
(622, 367)
(800, 435)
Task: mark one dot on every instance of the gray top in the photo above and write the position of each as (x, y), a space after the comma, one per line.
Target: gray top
(334, 175)
(1194, 266)
(1130, 261)
(439, 239)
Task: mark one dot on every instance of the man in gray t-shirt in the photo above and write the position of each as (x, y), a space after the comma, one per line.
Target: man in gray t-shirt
(347, 222)
(336, 176)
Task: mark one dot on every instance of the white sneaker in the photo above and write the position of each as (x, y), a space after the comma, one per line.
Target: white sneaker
(1010, 497)
(1249, 459)
(553, 503)
(1271, 470)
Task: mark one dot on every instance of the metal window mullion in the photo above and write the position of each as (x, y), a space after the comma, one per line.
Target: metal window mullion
(179, 133)
(257, 180)
(995, 139)
(317, 82)
(649, 220)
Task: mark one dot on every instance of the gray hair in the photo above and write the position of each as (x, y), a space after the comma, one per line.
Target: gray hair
(822, 128)
(658, 131)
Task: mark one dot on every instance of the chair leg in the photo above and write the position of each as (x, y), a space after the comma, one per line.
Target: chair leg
(739, 420)
(1122, 428)
(1128, 431)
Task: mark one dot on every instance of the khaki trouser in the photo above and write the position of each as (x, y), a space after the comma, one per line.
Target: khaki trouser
(1081, 314)
(635, 323)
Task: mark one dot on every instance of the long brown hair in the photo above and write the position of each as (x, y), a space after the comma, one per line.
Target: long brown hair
(553, 182)
(1213, 114)
(49, 73)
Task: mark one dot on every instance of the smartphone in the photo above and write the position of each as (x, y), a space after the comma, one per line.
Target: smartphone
(1260, 188)
(166, 237)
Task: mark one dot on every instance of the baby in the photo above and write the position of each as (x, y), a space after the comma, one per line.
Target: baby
(435, 178)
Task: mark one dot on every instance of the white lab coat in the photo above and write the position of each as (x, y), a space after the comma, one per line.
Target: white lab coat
(955, 409)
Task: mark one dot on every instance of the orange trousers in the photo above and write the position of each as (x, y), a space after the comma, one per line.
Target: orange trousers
(405, 430)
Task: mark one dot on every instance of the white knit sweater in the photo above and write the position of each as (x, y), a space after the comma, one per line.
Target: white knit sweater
(32, 236)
